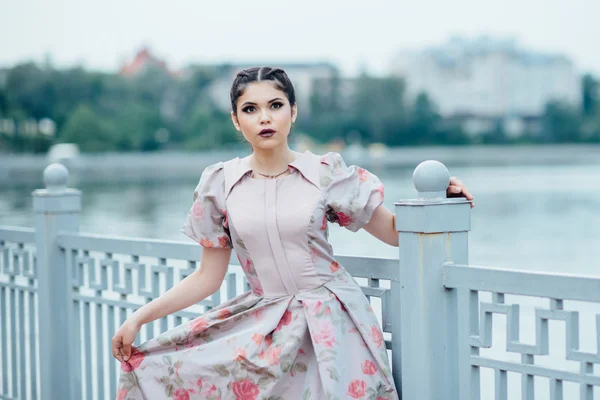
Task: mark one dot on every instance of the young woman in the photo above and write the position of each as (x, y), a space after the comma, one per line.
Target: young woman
(305, 330)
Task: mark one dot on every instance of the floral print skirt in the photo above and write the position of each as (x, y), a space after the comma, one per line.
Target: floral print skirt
(325, 343)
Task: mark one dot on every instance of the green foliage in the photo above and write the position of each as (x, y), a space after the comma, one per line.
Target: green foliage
(423, 122)
(137, 126)
(591, 95)
(379, 110)
(29, 92)
(561, 123)
(590, 129)
(155, 110)
(209, 128)
(25, 144)
(88, 130)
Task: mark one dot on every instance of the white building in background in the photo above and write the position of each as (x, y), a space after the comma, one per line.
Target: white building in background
(486, 78)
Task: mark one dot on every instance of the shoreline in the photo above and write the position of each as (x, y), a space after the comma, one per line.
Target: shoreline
(116, 167)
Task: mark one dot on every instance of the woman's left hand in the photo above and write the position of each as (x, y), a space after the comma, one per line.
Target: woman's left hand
(457, 189)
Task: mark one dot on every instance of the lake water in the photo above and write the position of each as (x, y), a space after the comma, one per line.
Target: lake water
(532, 217)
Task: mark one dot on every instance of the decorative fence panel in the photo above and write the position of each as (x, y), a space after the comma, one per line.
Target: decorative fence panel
(551, 291)
(110, 278)
(113, 276)
(19, 351)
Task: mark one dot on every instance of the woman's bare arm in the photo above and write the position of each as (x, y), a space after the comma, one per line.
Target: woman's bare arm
(383, 226)
(194, 288)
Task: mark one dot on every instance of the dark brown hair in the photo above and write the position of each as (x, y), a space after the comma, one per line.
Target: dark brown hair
(258, 74)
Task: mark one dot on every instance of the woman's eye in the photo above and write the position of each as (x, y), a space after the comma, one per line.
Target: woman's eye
(248, 109)
(277, 105)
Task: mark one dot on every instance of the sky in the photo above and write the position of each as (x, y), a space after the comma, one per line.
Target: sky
(354, 35)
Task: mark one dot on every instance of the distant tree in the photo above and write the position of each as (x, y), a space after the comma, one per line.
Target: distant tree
(591, 95)
(29, 91)
(378, 109)
(3, 102)
(210, 128)
(328, 116)
(150, 85)
(86, 129)
(496, 135)
(137, 125)
(561, 123)
(72, 87)
(595, 136)
(423, 122)
(590, 130)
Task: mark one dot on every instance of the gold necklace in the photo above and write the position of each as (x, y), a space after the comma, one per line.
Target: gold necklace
(272, 176)
(269, 175)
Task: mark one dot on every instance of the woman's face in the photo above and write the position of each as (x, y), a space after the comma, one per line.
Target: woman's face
(264, 115)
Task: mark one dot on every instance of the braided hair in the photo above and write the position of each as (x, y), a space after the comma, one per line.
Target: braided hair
(258, 74)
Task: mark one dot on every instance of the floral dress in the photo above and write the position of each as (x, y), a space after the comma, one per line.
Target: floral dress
(305, 330)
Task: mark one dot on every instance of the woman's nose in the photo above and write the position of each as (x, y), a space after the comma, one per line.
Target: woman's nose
(265, 117)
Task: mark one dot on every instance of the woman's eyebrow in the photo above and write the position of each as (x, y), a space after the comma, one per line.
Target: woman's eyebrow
(250, 103)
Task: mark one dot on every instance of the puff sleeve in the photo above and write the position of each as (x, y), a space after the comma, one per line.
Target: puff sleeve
(206, 222)
(352, 193)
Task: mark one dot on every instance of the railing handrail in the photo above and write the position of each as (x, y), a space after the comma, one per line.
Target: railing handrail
(378, 267)
(370, 267)
(555, 285)
(144, 247)
(17, 234)
(536, 370)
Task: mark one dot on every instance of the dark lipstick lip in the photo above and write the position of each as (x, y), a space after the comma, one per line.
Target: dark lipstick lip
(267, 131)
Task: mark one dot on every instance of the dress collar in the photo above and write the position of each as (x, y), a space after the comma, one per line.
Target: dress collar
(307, 164)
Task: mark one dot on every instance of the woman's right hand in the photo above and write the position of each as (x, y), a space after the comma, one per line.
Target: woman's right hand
(124, 338)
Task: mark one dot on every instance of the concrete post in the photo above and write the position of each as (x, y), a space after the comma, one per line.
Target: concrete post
(56, 209)
(432, 230)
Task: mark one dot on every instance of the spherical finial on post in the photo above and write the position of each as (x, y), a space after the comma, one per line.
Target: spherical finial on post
(55, 178)
(431, 179)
